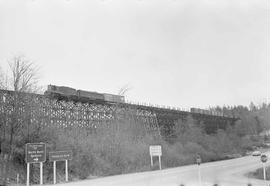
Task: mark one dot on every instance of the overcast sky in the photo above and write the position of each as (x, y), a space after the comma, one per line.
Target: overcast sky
(184, 53)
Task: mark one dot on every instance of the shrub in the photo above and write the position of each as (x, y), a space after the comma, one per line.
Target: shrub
(122, 146)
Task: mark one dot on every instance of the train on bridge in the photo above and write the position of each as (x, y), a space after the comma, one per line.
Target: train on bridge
(82, 95)
(86, 96)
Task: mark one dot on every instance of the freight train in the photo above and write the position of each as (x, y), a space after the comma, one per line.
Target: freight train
(62, 92)
(82, 95)
(207, 112)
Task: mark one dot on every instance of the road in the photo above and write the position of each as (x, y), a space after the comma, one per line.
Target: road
(224, 173)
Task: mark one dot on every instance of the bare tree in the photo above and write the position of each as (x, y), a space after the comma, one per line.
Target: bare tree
(124, 89)
(24, 75)
(21, 79)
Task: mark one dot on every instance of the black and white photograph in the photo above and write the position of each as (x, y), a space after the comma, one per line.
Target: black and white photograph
(134, 92)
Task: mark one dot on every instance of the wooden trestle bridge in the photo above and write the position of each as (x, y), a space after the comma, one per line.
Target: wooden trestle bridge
(45, 111)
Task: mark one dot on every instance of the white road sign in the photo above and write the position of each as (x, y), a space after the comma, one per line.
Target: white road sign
(155, 150)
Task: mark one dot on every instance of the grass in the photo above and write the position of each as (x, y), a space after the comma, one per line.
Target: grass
(258, 174)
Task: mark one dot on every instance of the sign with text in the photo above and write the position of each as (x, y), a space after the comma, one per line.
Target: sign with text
(155, 150)
(60, 155)
(263, 158)
(35, 152)
(198, 159)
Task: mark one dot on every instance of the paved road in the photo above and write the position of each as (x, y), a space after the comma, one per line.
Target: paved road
(223, 173)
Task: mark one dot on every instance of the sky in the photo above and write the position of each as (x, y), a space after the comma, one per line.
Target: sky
(181, 53)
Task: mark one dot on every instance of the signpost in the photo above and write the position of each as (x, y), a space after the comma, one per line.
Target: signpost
(35, 153)
(198, 161)
(264, 160)
(155, 150)
(60, 156)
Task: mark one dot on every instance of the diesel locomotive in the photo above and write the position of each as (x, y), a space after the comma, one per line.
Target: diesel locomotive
(82, 95)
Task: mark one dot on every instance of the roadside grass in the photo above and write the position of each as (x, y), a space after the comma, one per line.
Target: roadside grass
(258, 173)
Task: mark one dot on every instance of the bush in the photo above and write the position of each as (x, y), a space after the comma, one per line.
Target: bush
(122, 146)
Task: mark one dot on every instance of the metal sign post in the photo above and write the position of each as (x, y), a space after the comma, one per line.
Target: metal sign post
(159, 159)
(18, 179)
(155, 150)
(66, 170)
(198, 161)
(54, 172)
(60, 156)
(35, 153)
(199, 174)
(264, 173)
(27, 174)
(41, 172)
(264, 160)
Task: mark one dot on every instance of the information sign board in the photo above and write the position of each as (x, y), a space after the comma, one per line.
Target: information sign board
(155, 150)
(263, 158)
(35, 152)
(60, 155)
(198, 159)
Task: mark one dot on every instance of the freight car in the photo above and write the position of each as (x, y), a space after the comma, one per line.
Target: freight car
(82, 95)
(87, 95)
(208, 112)
(114, 98)
(198, 110)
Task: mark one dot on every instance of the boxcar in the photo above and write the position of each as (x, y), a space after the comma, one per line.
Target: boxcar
(89, 95)
(114, 98)
(193, 110)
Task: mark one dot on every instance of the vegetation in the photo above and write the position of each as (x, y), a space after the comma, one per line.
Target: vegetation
(123, 147)
(120, 146)
(258, 173)
(21, 77)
